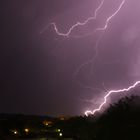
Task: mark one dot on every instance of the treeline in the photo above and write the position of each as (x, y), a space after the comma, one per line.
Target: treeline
(121, 121)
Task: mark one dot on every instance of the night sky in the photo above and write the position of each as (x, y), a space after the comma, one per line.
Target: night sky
(38, 68)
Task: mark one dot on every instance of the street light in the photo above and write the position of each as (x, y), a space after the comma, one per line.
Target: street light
(15, 132)
(60, 134)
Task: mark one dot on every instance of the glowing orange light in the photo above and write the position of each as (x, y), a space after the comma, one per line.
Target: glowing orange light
(26, 130)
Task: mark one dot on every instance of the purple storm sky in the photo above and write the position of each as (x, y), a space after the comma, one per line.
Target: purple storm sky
(38, 67)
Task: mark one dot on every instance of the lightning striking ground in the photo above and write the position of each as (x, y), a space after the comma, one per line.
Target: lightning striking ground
(104, 28)
(98, 29)
(107, 95)
(111, 91)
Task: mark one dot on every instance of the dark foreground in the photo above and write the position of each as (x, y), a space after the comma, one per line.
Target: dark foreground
(120, 122)
(43, 139)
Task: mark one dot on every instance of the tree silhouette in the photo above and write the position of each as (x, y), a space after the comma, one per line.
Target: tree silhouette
(121, 120)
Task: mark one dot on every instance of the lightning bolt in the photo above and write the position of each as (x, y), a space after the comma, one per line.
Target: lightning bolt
(111, 91)
(104, 28)
(88, 20)
(108, 94)
(110, 18)
(78, 23)
(97, 29)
